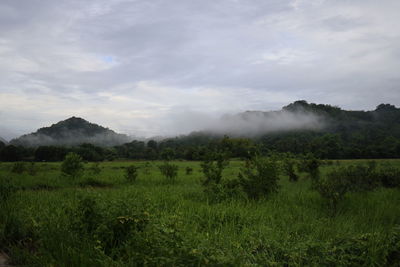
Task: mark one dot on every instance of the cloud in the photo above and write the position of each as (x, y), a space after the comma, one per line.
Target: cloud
(135, 65)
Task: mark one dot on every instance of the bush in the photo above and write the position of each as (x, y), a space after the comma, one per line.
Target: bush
(146, 167)
(7, 189)
(389, 177)
(212, 168)
(169, 171)
(360, 177)
(32, 170)
(131, 173)
(333, 188)
(189, 170)
(288, 167)
(72, 165)
(259, 178)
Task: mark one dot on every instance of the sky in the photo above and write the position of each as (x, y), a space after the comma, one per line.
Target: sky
(158, 67)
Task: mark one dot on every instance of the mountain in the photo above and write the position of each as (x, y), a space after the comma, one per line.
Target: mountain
(3, 140)
(70, 132)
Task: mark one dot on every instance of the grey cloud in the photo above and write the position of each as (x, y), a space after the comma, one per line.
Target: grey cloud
(137, 62)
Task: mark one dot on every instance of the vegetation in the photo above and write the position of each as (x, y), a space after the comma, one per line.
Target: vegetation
(169, 171)
(259, 178)
(48, 220)
(346, 135)
(277, 199)
(72, 165)
(131, 173)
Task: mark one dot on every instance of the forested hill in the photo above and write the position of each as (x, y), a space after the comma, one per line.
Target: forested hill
(72, 131)
(326, 131)
(2, 140)
(340, 133)
(347, 134)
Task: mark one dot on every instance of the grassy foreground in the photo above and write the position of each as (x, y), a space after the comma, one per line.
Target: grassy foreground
(102, 220)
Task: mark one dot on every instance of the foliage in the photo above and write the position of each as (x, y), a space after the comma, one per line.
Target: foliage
(212, 167)
(360, 177)
(155, 225)
(189, 170)
(288, 167)
(167, 154)
(333, 188)
(389, 177)
(259, 178)
(131, 173)
(169, 171)
(7, 189)
(72, 165)
(310, 164)
(146, 167)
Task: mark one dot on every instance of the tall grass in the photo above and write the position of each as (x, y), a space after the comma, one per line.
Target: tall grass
(291, 227)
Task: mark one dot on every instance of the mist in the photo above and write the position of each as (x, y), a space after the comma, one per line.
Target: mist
(246, 124)
(71, 138)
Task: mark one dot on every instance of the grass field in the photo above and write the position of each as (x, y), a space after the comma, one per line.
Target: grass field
(102, 220)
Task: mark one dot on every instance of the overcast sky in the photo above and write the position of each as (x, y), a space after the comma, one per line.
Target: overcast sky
(158, 67)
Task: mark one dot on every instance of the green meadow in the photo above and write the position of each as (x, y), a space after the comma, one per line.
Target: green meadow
(101, 219)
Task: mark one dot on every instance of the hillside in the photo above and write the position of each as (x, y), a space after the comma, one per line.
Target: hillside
(301, 127)
(2, 140)
(72, 131)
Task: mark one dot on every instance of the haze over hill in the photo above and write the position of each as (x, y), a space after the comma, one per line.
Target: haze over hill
(297, 116)
(72, 131)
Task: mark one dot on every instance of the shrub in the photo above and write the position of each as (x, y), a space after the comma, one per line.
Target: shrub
(360, 177)
(389, 177)
(310, 165)
(7, 189)
(288, 167)
(189, 170)
(72, 165)
(169, 171)
(212, 168)
(85, 218)
(259, 178)
(131, 173)
(32, 170)
(18, 167)
(146, 167)
(333, 188)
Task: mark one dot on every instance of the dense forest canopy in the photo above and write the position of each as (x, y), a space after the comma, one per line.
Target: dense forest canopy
(342, 134)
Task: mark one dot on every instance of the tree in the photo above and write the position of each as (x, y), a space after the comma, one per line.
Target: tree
(169, 171)
(259, 178)
(131, 173)
(72, 165)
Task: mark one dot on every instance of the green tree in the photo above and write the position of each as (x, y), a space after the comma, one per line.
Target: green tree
(169, 171)
(72, 165)
(131, 173)
(259, 178)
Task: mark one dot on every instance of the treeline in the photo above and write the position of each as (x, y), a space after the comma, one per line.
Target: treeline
(150, 150)
(346, 135)
(367, 145)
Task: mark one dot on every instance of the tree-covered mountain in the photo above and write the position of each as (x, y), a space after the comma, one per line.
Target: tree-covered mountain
(70, 132)
(326, 131)
(2, 140)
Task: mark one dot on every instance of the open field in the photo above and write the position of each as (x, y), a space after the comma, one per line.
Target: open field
(102, 220)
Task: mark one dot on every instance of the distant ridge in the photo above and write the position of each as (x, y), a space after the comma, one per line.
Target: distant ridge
(3, 140)
(72, 131)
